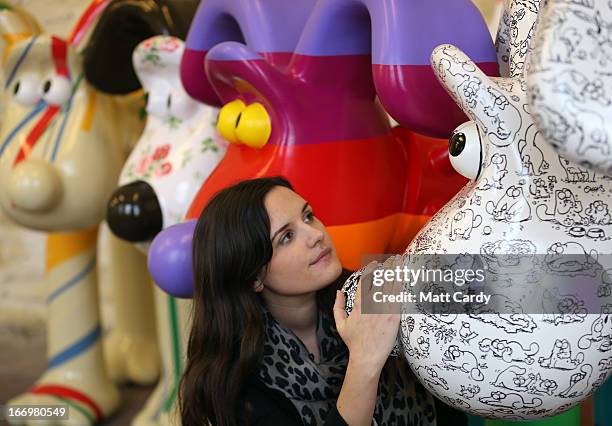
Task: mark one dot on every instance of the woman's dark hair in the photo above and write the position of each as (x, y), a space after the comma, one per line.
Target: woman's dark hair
(231, 246)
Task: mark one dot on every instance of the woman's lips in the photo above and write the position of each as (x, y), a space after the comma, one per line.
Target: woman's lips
(322, 256)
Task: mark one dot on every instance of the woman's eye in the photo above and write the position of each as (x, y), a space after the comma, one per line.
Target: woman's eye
(308, 217)
(288, 236)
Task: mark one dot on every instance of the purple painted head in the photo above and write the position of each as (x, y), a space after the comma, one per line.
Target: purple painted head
(270, 27)
(400, 36)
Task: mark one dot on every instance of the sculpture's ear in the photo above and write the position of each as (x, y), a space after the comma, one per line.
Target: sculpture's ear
(158, 58)
(121, 27)
(269, 27)
(15, 25)
(398, 36)
(514, 36)
(235, 70)
(464, 81)
(569, 84)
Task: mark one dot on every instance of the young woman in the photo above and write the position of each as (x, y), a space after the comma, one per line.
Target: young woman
(271, 343)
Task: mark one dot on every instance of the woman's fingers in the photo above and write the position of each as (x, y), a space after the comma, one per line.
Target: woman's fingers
(339, 311)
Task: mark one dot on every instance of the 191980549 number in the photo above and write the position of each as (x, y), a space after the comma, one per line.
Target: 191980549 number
(34, 412)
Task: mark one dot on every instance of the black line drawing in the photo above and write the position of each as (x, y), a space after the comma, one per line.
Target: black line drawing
(465, 332)
(532, 157)
(574, 173)
(510, 400)
(539, 189)
(567, 210)
(456, 359)
(509, 350)
(562, 309)
(430, 376)
(601, 333)
(515, 378)
(499, 164)
(469, 391)
(463, 223)
(571, 259)
(561, 357)
(512, 207)
(579, 382)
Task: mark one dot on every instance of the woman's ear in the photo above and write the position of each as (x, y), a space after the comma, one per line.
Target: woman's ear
(258, 285)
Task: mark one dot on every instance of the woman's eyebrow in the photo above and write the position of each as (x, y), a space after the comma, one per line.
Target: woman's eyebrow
(304, 208)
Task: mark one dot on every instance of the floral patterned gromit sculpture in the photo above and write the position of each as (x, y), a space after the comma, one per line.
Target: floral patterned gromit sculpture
(177, 151)
(533, 219)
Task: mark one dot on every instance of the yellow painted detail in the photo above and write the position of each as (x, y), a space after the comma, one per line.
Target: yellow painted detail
(64, 246)
(89, 112)
(228, 116)
(10, 39)
(254, 126)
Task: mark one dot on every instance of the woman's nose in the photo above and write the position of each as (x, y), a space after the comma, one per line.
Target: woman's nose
(134, 213)
(315, 235)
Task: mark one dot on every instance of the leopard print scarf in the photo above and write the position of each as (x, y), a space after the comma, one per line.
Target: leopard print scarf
(313, 388)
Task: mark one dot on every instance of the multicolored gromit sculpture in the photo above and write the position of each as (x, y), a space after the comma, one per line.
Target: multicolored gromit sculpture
(57, 156)
(569, 85)
(176, 152)
(286, 115)
(541, 228)
(63, 143)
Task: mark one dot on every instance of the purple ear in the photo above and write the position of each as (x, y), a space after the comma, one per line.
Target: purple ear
(400, 35)
(169, 259)
(269, 27)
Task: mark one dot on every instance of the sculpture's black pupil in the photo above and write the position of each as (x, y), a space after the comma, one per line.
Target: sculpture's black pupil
(47, 86)
(456, 144)
(16, 88)
(169, 101)
(238, 119)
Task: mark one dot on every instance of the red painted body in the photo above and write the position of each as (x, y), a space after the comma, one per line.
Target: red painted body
(371, 186)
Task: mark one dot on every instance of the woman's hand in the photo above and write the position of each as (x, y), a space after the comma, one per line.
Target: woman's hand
(370, 337)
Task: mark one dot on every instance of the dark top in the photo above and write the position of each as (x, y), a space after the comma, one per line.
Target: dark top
(268, 407)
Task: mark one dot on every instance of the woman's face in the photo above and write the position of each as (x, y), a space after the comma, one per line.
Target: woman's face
(304, 257)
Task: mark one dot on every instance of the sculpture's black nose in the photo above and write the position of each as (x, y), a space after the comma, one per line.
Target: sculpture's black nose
(133, 212)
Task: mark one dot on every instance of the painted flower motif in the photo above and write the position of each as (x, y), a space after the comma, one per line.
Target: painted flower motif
(169, 45)
(161, 152)
(163, 169)
(209, 145)
(172, 121)
(143, 165)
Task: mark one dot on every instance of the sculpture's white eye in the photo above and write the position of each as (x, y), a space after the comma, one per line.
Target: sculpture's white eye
(181, 105)
(465, 150)
(56, 89)
(26, 90)
(157, 103)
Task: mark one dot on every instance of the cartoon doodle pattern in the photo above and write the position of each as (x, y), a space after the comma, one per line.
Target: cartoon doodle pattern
(536, 210)
(569, 83)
